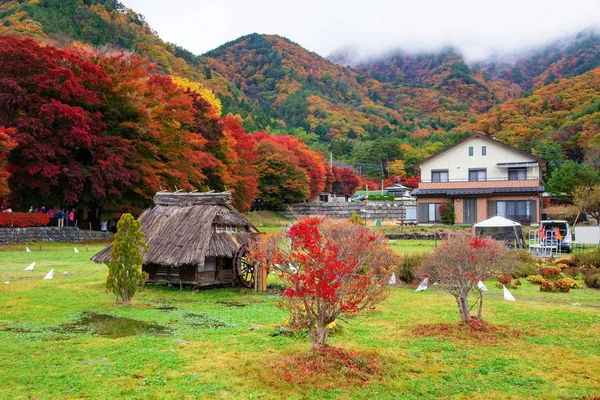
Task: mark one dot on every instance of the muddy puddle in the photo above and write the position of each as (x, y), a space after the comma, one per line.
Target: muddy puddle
(111, 326)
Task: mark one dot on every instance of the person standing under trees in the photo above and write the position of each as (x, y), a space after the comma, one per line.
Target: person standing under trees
(72, 218)
(61, 217)
(51, 215)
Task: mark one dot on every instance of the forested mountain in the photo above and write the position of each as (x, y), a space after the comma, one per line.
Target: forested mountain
(565, 113)
(399, 107)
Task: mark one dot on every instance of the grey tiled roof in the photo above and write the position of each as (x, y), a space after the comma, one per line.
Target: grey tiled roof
(483, 191)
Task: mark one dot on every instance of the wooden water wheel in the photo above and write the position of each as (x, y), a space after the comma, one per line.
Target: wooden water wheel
(244, 270)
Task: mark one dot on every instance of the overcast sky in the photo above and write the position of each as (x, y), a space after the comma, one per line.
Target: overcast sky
(478, 27)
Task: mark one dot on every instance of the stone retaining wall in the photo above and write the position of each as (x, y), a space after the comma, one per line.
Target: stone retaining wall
(371, 210)
(51, 234)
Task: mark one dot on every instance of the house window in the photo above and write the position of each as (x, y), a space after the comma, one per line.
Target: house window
(470, 151)
(517, 174)
(476, 175)
(483, 150)
(518, 210)
(209, 264)
(439, 176)
(434, 212)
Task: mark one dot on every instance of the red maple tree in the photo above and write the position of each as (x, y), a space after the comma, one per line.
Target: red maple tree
(6, 145)
(345, 181)
(331, 267)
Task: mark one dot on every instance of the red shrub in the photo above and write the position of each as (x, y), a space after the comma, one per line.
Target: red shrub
(561, 286)
(517, 283)
(23, 220)
(558, 286)
(505, 280)
(550, 273)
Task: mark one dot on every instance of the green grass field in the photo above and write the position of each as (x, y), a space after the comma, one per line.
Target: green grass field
(226, 343)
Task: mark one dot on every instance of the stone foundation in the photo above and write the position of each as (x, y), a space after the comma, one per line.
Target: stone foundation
(51, 234)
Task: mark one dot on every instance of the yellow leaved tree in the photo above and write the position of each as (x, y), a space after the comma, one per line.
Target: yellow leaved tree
(204, 92)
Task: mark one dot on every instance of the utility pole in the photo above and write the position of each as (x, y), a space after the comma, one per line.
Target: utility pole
(331, 160)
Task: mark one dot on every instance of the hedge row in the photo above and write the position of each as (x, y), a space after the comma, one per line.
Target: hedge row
(23, 220)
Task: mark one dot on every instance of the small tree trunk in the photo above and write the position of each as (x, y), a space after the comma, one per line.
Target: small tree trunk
(480, 305)
(463, 308)
(318, 335)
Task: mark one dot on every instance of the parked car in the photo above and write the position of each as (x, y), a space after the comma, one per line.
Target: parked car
(550, 233)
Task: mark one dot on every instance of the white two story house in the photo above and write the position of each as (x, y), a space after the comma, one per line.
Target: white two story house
(482, 177)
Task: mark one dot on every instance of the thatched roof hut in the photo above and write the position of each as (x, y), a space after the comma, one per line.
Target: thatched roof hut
(194, 238)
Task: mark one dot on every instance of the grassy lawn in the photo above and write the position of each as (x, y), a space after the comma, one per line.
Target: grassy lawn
(226, 343)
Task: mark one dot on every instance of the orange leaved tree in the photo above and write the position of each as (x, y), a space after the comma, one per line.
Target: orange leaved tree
(332, 267)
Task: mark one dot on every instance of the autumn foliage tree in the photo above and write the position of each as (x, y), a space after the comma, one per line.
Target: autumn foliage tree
(460, 263)
(587, 199)
(332, 267)
(6, 145)
(101, 130)
(345, 181)
(280, 179)
(49, 97)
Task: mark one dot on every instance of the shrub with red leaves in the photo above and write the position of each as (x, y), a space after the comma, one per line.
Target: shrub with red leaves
(550, 273)
(546, 287)
(23, 220)
(560, 286)
(505, 280)
(517, 283)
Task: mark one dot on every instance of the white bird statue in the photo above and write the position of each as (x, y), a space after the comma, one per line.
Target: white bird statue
(49, 275)
(30, 267)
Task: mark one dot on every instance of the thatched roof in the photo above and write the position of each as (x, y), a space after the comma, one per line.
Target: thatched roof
(179, 229)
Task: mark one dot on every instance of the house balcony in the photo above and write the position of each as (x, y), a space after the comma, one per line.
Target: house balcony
(489, 183)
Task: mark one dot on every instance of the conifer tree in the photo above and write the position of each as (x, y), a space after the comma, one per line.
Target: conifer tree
(125, 275)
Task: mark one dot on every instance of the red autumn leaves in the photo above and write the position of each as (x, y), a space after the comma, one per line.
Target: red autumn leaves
(101, 129)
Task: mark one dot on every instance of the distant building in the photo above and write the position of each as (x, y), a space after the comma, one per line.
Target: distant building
(399, 191)
(328, 197)
(482, 178)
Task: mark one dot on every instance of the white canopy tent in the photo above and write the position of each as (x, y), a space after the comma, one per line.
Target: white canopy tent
(502, 229)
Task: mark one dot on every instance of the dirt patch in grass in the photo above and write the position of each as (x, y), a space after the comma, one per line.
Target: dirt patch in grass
(478, 331)
(165, 308)
(327, 368)
(233, 303)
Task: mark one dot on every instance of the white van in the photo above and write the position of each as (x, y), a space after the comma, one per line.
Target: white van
(549, 228)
